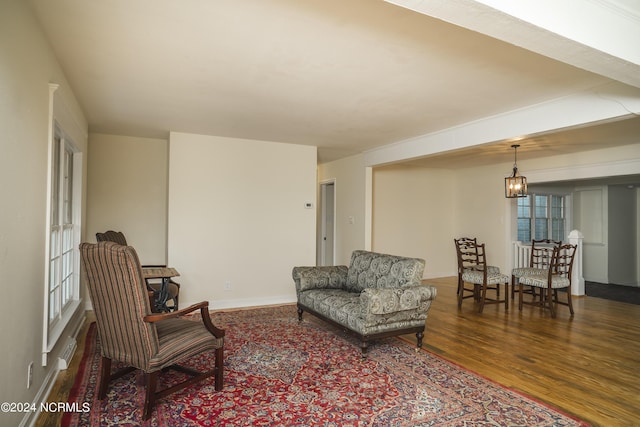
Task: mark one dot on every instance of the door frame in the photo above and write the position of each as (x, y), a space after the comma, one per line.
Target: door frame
(327, 224)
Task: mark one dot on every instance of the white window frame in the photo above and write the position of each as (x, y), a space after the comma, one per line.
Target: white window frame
(61, 303)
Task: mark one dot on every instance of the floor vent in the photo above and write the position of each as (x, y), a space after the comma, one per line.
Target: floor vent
(67, 354)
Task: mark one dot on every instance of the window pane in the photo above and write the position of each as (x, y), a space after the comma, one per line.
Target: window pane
(55, 182)
(524, 229)
(541, 206)
(557, 229)
(67, 189)
(541, 231)
(524, 210)
(524, 219)
(557, 217)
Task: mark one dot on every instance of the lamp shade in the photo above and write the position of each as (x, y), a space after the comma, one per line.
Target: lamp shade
(515, 185)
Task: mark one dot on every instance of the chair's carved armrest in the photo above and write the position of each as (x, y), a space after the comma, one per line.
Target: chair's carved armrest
(206, 319)
(320, 277)
(204, 312)
(156, 317)
(392, 300)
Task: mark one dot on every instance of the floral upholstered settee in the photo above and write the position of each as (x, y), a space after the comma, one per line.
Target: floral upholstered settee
(377, 296)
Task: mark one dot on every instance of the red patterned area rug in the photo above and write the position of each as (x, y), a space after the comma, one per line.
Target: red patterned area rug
(279, 372)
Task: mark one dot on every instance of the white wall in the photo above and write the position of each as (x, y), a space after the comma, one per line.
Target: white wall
(237, 214)
(353, 204)
(127, 181)
(591, 218)
(27, 67)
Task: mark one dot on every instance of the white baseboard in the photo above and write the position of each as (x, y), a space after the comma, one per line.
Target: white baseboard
(31, 417)
(244, 302)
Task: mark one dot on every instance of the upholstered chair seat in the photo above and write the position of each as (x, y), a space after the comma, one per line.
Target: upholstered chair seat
(475, 276)
(541, 281)
(529, 271)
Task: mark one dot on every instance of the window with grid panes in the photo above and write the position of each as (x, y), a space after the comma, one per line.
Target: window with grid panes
(62, 265)
(541, 216)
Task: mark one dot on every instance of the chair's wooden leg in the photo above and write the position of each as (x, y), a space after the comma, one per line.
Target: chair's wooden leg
(300, 314)
(364, 346)
(482, 297)
(513, 286)
(419, 336)
(551, 302)
(219, 368)
(460, 295)
(105, 376)
(151, 379)
(569, 300)
(506, 296)
(520, 285)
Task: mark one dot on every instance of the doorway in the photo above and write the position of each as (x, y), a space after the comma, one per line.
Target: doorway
(327, 223)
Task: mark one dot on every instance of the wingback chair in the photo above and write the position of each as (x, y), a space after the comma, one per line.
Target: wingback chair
(130, 333)
(173, 290)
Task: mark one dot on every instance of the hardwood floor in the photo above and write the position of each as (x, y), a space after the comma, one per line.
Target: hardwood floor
(64, 382)
(587, 366)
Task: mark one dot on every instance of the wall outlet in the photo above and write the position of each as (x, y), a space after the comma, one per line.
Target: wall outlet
(30, 375)
(227, 285)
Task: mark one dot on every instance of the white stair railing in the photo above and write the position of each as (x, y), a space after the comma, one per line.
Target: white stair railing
(577, 279)
(521, 254)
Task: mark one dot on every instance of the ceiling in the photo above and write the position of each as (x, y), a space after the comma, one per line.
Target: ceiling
(345, 76)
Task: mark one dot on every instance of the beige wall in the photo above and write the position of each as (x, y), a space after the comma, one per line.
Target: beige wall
(237, 214)
(127, 191)
(413, 209)
(27, 67)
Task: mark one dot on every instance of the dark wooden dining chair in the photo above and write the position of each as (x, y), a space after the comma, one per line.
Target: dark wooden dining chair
(468, 244)
(173, 289)
(131, 334)
(473, 269)
(558, 276)
(539, 261)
